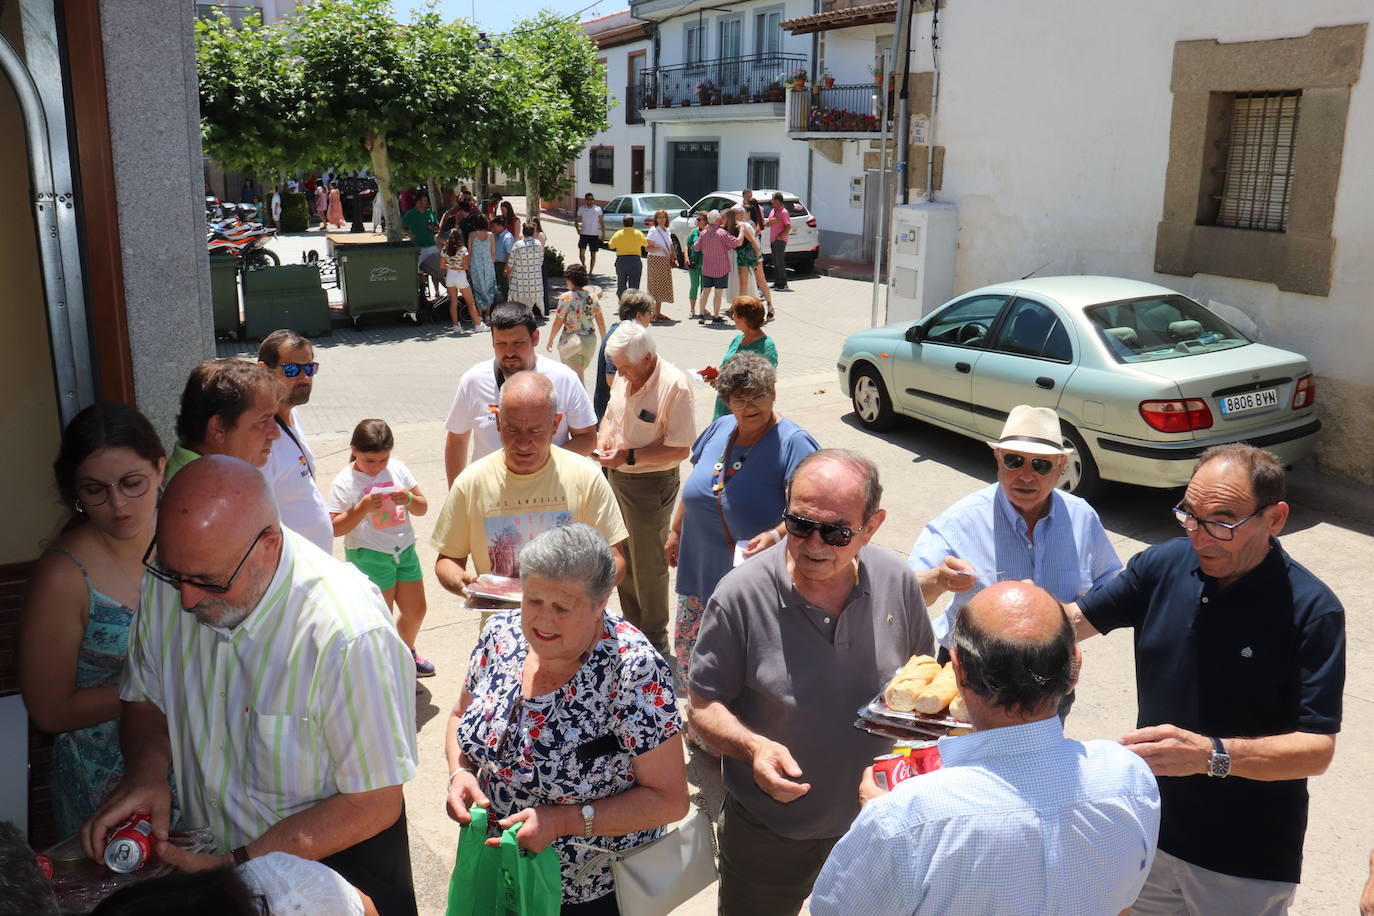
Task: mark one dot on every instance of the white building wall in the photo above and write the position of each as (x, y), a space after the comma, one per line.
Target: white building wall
(1057, 142)
(621, 136)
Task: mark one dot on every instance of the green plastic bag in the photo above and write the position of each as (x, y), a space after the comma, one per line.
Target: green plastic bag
(503, 881)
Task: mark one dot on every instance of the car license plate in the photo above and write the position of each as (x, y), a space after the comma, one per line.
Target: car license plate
(1251, 400)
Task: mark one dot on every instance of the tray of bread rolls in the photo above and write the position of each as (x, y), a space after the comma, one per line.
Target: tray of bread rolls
(922, 696)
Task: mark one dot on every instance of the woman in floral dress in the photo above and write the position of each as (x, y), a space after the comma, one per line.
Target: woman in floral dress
(551, 727)
(482, 264)
(579, 317)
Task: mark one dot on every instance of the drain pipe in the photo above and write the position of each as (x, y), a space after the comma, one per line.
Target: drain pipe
(810, 152)
(876, 315)
(934, 99)
(902, 61)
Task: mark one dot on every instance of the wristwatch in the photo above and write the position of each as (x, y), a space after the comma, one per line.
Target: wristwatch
(1219, 764)
(588, 818)
(630, 457)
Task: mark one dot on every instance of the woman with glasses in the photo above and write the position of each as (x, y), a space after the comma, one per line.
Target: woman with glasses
(748, 314)
(74, 628)
(733, 500)
(567, 722)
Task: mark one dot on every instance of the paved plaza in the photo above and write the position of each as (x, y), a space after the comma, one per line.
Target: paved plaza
(406, 375)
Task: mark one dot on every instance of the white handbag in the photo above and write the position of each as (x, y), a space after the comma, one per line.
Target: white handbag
(663, 874)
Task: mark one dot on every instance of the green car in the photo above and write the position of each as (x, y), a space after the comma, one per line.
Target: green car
(1142, 377)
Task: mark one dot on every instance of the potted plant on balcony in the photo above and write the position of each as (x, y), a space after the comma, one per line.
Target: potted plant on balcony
(708, 93)
(798, 79)
(773, 92)
(744, 93)
(877, 72)
(827, 78)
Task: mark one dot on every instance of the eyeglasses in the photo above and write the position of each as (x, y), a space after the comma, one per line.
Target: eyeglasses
(176, 580)
(1221, 531)
(741, 402)
(1013, 462)
(291, 370)
(92, 493)
(833, 534)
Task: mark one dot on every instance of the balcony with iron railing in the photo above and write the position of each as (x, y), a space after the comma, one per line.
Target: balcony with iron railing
(839, 111)
(751, 86)
(237, 12)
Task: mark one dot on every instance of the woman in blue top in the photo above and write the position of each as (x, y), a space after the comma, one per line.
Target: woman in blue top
(74, 630)
(732, 502)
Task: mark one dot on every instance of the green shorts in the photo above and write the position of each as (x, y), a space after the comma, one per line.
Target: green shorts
(384, 569)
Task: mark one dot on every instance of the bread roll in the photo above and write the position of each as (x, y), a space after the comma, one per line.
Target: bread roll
(938, 692)
(957, 709)
(909, 681)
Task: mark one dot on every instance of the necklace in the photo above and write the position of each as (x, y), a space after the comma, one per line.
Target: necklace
(725, 468)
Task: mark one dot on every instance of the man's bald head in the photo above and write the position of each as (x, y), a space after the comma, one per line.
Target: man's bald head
(527, 421)
(212, 498)
(528, 389)
(1016, 649)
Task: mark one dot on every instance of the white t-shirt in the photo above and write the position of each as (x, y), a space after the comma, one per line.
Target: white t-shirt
(388, 529)
(295, 885)
(276, 207)
(290, 469)
(474, 404)
(590, 219)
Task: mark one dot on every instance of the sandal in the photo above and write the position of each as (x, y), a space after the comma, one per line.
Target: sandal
(771, 316)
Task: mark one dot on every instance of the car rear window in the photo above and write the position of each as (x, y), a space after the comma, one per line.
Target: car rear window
(794, 207)
(670, 202)
(1161, 327)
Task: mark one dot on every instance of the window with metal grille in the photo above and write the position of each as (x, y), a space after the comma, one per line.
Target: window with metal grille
(1258, 177)
(602, 165)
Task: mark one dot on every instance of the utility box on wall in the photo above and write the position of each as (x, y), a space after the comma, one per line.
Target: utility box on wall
(924, 239)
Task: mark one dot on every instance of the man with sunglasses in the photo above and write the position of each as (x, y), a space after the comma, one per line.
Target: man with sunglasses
(269, 677)
(228, 407)
(792, 642)
(290, 469)
(1021, 527)
(1240, 668)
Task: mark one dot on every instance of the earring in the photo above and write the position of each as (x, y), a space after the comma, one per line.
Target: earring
(79, 508)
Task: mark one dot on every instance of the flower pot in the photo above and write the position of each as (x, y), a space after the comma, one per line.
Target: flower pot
(878, 79)
(798, 85)
(829, 82)
(815, 89)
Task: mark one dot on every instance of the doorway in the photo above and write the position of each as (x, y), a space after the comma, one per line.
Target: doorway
(636, 170)
(694, 166)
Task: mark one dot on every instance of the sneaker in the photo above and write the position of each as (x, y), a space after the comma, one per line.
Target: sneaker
(423, 666)
(457, 329)
(482, 327)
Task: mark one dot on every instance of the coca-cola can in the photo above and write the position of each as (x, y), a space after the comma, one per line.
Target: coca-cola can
(44, 865)
(921, 756)
(130, 845)
(890, 769)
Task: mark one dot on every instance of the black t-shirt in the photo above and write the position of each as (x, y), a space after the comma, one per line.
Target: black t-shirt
(1263, 657)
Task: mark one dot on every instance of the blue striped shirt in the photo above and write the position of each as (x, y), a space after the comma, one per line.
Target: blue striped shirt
(1020, 820)
(1070, 554)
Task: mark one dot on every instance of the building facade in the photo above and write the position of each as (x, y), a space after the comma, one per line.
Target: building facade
(615, 161)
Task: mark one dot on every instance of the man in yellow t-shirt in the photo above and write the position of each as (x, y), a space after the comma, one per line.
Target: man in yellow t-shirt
(628, 244)
(499, 503)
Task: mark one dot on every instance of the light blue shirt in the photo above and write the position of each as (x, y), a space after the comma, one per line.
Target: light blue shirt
(1071, 552)
(504, 243)
(1020, 820)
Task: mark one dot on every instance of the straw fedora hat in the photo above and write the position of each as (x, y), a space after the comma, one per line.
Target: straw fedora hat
(1032, 431)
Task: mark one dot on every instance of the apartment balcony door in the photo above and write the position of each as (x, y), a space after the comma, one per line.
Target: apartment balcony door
(731, 47)
(636, 170)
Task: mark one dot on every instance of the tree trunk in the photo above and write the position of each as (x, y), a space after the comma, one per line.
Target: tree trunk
(381, 169)
(436, 195)
(533, 203)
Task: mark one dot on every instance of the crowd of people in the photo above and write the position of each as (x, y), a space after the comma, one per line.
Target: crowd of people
(203, 658)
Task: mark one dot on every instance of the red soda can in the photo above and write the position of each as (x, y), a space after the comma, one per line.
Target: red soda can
(44, 865)
(130, 845)
(890, 769)
(921, 756)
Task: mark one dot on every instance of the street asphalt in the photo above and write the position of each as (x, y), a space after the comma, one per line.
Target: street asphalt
(406, 375)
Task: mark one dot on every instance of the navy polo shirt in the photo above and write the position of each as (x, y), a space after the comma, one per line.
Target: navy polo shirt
(1263, 657)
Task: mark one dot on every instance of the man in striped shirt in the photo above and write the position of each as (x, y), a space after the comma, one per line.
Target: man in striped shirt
(269, 677)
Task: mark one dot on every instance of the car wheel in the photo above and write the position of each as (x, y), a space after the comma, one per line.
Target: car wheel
(872, 405)
(1080, 475)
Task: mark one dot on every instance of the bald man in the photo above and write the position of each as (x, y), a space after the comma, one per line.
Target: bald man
(269, 677)
(499, 503)
(1020, 819)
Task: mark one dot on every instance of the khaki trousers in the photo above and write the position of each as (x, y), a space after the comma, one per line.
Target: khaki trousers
(1178, 888)
(646, 504)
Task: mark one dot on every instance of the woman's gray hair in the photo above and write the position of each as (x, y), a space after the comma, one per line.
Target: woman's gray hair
(746, 372)
(571, 553)
(634, 302)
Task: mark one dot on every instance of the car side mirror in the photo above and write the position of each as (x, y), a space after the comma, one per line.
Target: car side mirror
(685, 213)
(915, 334)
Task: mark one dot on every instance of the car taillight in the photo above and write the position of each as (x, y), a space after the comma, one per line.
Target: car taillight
(1178, 416)
(1304, 392)
(648, 220)
(811, 223)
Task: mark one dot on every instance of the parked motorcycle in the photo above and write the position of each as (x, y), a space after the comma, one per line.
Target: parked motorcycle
(231, 229)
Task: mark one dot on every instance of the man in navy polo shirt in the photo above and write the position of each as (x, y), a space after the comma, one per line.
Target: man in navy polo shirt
(1240, 665)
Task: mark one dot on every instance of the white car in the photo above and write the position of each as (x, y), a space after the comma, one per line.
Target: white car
(803, 245)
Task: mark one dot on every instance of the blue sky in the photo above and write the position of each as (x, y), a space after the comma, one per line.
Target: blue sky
(499, 16)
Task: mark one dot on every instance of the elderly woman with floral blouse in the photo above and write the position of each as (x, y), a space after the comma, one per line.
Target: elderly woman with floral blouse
(567, 722)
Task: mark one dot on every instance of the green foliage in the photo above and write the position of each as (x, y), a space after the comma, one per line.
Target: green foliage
(295, 212)
(553, 262)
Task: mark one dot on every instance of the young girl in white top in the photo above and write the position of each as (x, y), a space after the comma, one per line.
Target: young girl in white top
(370, 504)
(455, 262)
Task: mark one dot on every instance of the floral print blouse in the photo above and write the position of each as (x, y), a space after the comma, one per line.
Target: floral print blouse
(526, 749)
(578, 310)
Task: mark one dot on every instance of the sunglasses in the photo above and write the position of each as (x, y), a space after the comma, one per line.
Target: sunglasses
(291, 370)
(833, 534)
(1013, 462)
(177, 580)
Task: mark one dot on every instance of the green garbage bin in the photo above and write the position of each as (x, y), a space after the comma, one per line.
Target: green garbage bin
(224, 295)
(378, 277)
(284, 297)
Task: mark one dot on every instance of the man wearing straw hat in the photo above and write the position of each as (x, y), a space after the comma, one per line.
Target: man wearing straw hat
(1021, 527)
